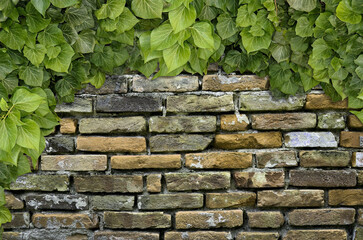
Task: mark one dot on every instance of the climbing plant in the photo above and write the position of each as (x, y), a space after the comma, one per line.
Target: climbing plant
(49, 49)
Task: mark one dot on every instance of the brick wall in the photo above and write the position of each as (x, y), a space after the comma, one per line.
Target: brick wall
(195, 158)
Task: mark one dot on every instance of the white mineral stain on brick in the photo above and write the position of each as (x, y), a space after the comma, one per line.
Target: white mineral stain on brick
(242, 118)
(197, 165)
(359, 159)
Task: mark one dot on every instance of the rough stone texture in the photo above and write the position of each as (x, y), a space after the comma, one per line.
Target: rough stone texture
(57, 234)
(290, 198)
(323, 178)
(80, 105)
(112, 202)
(153, 183)
(165, 84)
(230, 200)
(221, 160)
(235, 122)
(200, 235)
(146, 161)
(200, 103)
(321, 217)
(18, 220)
(358, 233)
(310, 139)
(360, 178)
(331, 121)
(170, 201)
(316, 234)
(257, 236)
(346, 197)
(113, 84)
(13, 202)
(255, 179)
(208, 219)
(276, 159)
(357, 159)
(360, 216)
(115, 103)
(74, 162)
(351, 139)
(105, 235)
(68, 126)
(179, 143)
(109, 184)
(12, 236)
(283, 121)
(264, 101)
(112, 125)
(248, 140)
(324, 158)
(59, 144)
(354, 122)
(323, 102)
(266, 219)
(56, 202)
(187, 124)
(234, 83)
(32, 182)
(197, 181)
(112, 144)
(132, 220)
(64, 220)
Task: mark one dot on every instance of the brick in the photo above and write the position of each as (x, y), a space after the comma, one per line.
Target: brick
(179, 143)
(230, 200)
(234, 83)
(112, 125)
(66, 234)
(165, 84)
(360, 216)
(64, 220)
(197, 181)
(115, 103)
(248, 140)
(208, 219)
(12, 236)
(200, 235)
(102, 235)
(264, 101)
(108, 183)
(322, 217)
(276, 159)
(323, 102)
(79, 105)
(146, 161)
(351, 139)
(13, 202)
(265, 219)
(132, 220)
(346, 197)
(184, 124)
(200, 103)
(68, 125)
(257, 236)
(46, 183)
(113, 84)
(358, 233)
(331, 121)
(290, 198)
(153, 183)
(255, 179)
(59, 144)
(323, 178)
(112, 144)
(56, 202)
(316, 234)
(74, 162)
(170, 201)
(310, 139)
(357, 159)
(221, 160)
(283, 121)
(324, 158)
(112, 202)
(19, 220)
(354, 122)
(360, 178)
(234, 122)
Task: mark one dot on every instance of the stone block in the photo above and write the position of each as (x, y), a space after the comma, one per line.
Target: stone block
(346, 197)
(321, 217)
(230, 200)
(258, 179)
(13, 202)
(357, 159)
(56, 202)
(234, 122)
(276, 159)
(146, 161)
(200, 103)
(18, 220)
(153, 183)
(323, 178)
(183, 124)
(68, 125)
(111, 144)
(220, 160)
(354, 122)
(48, 183)
(112, 125)
(112, 202)
(331, 120)
(59, 144)
(64, 220)
(290, 198)
(351, 139)
(165, 84)
(79, 105)
(200, 235)
(133, 220)
(324, 102)
(74, 162)
(310, 139)
(265, 219)
(115, 103)
(179, 143)
(103, 235)
(234, 83)
(336, 234)
(283, 121)
(248, 140)
(257, 236)
(170, 201)
(324, 158)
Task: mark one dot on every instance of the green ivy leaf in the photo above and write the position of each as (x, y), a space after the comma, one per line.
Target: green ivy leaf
(254, 43)
(32, 76)
(126, 21)
(347, 14)
(147, 9)
(62, 62)
(35, 55)
(245, 18)
(85, 42)
(202, 35)
(15, 37)
(304, 28)
(226, 26)
(2, 197)
(5, 215)
(8, 134)
(4, 105)
(26, 101)
(303, 5)
(29, 135)
(6, 65)
(182, 17)
(51, 36)
(98, 79)
(176, 56)
(163, 37)
(41, 5)
(10, 82)
(145, 48)
(280, 52)
(69, 32)
(103, 58)
(64, 3)
(112, 9)
(75, 16)
(53, 52)
(34, 20)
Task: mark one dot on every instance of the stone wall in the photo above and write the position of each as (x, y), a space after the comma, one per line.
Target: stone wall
(187, 157)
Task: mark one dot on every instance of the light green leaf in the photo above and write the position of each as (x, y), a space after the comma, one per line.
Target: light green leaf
(32, 76)
(15, 37)
(8, 134)
(2, 197)
(41, 5)
(347, 14)
(98, 79)
(34, 20)
(321, 49)
(64, 3)
(359, 72)
(4, 105)
(10, 82)
(245, 18)
(163, 37)
(145, 48)
(176, 56)
(255, 43)
(51, 36)
(23, 166)
(85, 42)
(147, 9)
(303, 5)
(26, 101)
(280, 52)
(29, 135)
(304, 28)
(5, 215)
(35, 55)
(47, 121)
(62, 62)
(126, 21)
(182, 17)
(359, 60)
(226, 26)
(146, 68)
(6, 65)
(112, 9)
(53, 52)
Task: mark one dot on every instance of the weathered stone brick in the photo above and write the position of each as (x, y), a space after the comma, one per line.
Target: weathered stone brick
(102, 235)
(59, 144)
(230, 200)
(248, 140)
(185, 124)
(346, 197)
(179, 143)
(112, 125)
(208, 219)
(310, 139)
(354, 122)
(283, 121)
(234, 83)
(200, 103)
(264, 101)
(32, 182)
(322, 217)
(115, 103)
(316, 234)
(290, 198)
(13, 236)
(257, 236)
(360, 216)
(64, 220)
(234, 122)
(323, 101)
(153, 183)
(351, 139)
(56, 201)
(68, 125)
(276, 159)
(323, 178)
(197, 181)
(19, 220)
(74, 162)
(170, 201)
(331, 121)
(165, 84)
(112, 202)
(108, 183)
(131, 220)
(58, 234)
(265, 219)
(357, 159)
(113, 84)
(146, 161)
(13, 202)
(80, 105)
(111, 144)
(360, 178)
(200, 235)
(255, 179)
(219, 160)
(324, 158)
(358, 233)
